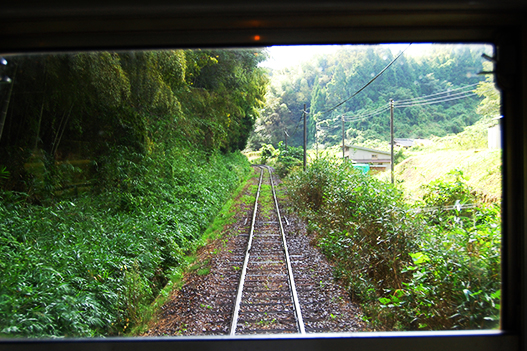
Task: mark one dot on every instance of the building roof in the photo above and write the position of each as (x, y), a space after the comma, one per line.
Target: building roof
(372, 160)
(404, 142)
(367, 149)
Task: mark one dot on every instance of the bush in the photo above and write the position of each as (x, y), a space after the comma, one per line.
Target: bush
(91, 265)
(362, 224)
(410, 270)
(288, 159)
(456, 272)
(267, 151)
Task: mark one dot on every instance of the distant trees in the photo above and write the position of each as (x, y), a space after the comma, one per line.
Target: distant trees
(328, 80)
(490, 106)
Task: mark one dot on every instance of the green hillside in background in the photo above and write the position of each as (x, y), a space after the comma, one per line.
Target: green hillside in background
(326, 81)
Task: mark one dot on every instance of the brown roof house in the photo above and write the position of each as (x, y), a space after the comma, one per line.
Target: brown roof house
(377, 159)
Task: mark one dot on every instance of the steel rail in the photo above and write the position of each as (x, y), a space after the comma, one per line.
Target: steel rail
(292, 287)
(236, 312)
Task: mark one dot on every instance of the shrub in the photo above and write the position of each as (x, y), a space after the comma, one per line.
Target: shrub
(89, 266)
(288, 159)
(362, 224)
(267, 151)
(456, 272)
(410, 270)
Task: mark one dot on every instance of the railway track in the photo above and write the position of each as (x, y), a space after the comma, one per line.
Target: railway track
(243, 282)
(266, 300)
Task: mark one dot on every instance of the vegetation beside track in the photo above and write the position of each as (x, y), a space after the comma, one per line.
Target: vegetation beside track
(410, 269)
(92, 265)
(112, 166)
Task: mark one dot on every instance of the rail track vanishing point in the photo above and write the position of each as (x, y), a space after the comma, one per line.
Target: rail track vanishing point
(242, 282)
(267, 301)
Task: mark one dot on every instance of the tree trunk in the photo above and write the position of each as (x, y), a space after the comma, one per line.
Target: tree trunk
(5, 106)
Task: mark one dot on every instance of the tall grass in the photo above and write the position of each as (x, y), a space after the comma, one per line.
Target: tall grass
(90, 265)
(410, 270)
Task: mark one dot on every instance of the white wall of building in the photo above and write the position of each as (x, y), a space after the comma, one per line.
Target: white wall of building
(494, 137)
(366, 155)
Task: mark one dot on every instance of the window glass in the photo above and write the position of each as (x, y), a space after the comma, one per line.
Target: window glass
(127, 190)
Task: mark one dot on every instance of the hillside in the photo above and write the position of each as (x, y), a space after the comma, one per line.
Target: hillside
(482, 168)
(433, 95)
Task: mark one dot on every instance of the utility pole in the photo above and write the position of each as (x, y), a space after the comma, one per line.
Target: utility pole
(316, 137)
(391, 135)
(305, 139)
(343, 154)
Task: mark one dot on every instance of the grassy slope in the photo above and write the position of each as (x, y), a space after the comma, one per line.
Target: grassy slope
(481, 167)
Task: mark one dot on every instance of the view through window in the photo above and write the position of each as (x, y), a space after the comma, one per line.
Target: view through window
(150, 193)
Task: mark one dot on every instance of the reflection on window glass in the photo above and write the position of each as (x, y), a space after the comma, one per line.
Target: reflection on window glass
(129, 181)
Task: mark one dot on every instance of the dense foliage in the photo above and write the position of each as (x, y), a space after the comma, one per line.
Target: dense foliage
(330, 79)
(90, 265)
(436, 266)
(111, 167)
(84, 106)
(283, 159)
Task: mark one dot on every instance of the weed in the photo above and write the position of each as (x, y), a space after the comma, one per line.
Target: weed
(203, 271)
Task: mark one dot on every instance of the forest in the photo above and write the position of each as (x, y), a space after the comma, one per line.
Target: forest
(327, 80)
(87, 105)
(112, 166)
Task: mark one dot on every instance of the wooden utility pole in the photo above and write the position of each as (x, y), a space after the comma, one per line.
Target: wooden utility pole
(316, 137)
(391, 136)
(343, 154)
(305, 139)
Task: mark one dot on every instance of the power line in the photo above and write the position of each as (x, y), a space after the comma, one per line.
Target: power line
(440, 93)
(432, 101)
(419, 101)
(328, 121)
(367, 114)
(297, 125)
(438, 98)
(371, 81)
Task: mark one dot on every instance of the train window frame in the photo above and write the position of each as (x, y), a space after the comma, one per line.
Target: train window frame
(95, 27)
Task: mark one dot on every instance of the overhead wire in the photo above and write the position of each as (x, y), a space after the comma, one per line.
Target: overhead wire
(436, 101)
(436, 98)
(327, 121)
(364, 115)
(444, 96)
(367, 114)
(371, 81)
(440, 93)
(297, 125)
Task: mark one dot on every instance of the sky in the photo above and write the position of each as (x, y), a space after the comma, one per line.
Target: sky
(286, 56)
